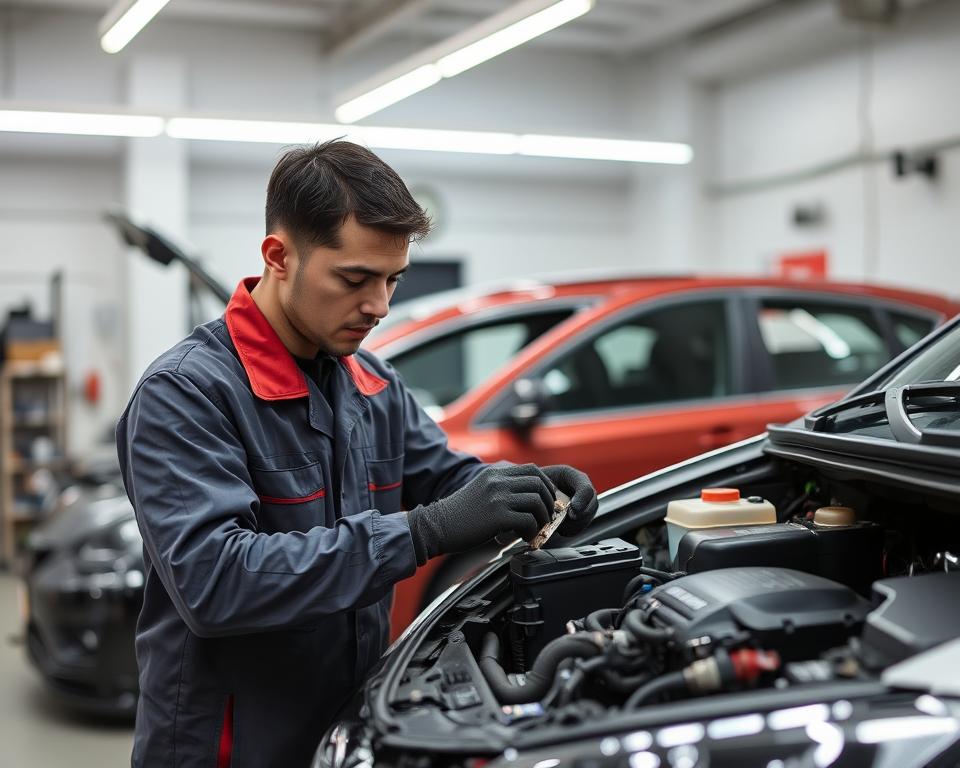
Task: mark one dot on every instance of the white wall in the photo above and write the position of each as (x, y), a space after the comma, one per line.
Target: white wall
(896, 89)
(500, 228)
(50, 220)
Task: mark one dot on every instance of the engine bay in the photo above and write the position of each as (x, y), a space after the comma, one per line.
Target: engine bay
(838, 586)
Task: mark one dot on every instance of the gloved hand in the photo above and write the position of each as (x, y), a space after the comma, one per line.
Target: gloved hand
(501, 498)
(583, 497)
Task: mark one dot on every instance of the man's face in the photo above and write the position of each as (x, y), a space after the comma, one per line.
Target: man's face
(337, 295)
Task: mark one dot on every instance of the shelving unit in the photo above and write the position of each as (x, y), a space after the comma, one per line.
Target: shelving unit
(33, 427)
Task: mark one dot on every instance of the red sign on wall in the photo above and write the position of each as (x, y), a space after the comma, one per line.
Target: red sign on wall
(801, 265)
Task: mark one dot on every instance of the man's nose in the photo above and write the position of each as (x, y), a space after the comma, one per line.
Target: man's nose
(377, 303)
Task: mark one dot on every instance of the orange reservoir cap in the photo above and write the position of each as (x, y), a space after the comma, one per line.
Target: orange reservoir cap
(720, 494)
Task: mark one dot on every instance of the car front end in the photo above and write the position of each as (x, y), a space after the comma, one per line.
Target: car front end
(825, 636)
(82, 589)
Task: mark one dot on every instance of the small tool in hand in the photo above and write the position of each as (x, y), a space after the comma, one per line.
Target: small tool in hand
(559, 515)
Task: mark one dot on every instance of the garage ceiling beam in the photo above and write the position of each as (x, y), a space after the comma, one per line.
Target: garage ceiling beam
(363, 30)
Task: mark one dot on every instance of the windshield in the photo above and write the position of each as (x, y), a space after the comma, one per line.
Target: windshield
(939, 362)
(917, 403)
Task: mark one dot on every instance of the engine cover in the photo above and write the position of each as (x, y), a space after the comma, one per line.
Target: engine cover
(917, 613)
(798, 614)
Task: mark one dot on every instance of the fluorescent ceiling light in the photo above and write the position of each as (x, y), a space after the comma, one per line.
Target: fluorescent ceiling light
(514, 26)
(510, 37)
(265, 131)
(388, 93)
(471, 142)
(122, 22)
(80, 123)
(623, 150)
(376, 137)
(434, 140)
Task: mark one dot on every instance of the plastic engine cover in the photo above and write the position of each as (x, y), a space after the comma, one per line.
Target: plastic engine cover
(798, 614)
(917, 613)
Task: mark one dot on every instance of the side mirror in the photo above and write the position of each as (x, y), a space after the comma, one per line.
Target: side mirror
(532, 402)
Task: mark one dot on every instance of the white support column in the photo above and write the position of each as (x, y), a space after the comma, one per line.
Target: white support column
(157, 187)
(670, 214)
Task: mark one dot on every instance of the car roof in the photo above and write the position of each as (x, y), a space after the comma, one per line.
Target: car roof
(594, 286)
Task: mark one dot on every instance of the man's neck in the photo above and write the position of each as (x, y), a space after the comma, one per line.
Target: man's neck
(269, 305)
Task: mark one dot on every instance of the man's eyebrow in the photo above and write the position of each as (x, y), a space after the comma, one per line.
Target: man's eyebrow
(361, 270)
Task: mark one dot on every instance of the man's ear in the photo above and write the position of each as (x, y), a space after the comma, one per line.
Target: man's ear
(278, 255)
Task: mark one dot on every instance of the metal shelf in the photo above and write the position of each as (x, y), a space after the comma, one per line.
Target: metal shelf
(42, 386)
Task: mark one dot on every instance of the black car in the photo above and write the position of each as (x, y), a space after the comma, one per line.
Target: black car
(828, 635)
(83, 588)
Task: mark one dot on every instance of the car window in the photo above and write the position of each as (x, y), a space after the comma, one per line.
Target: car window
(441, 370)
(820, 344)
(678, 352)
(909, 329)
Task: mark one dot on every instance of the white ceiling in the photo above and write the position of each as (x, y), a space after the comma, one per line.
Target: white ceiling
(614, 27)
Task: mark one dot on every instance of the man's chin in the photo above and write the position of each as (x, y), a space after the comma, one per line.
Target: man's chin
(343, 349)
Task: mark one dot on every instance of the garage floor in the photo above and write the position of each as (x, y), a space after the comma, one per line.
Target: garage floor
(35, 731)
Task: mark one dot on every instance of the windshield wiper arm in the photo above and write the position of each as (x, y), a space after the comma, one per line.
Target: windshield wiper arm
(818, 420)
(895, 404)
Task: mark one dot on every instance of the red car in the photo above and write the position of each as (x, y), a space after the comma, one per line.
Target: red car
(620, 377)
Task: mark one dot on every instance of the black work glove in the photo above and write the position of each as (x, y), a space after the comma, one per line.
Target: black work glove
(510, 498)
(583, 497)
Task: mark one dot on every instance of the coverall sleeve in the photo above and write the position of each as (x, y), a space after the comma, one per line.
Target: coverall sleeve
(432, 469)
(185, 472)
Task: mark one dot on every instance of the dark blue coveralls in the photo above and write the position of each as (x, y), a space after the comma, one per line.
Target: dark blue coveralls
(267, 598)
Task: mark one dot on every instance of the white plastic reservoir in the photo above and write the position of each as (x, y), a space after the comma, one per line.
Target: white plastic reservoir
(716, 508)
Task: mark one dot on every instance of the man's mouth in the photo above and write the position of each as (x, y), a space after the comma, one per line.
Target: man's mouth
(359, 331)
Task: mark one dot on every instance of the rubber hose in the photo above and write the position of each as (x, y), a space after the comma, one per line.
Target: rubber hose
(602, 620)
(634, 624)
(623, 685)
(539, 678)
(661, 577)
(674, 681)
(573, 683)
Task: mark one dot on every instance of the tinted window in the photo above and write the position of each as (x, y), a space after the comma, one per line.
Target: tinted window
(820, 344)
(909, 329)
(674, 353)
(440, 371)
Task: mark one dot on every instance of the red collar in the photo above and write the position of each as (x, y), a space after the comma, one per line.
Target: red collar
(273, 373)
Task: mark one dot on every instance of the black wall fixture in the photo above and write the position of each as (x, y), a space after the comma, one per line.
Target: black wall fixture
(910, 163)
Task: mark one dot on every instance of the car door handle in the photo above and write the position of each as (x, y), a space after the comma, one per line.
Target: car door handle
(716, 437)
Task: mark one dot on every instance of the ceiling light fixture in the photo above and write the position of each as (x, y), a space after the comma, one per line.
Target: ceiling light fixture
(434, 140)
(376, 137)
(498, 34)
(623, 150)
(256, 131)
(124, 21)
(80, 123)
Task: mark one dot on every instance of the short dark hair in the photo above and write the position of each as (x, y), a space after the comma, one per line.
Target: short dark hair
(314, 189)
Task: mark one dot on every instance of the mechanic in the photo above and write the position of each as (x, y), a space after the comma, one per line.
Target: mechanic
(270, 462)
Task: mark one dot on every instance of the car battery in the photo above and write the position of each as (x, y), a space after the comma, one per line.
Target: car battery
(553, 586)
(851, 554)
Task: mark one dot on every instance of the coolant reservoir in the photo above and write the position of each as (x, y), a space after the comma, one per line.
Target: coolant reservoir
(716, 508)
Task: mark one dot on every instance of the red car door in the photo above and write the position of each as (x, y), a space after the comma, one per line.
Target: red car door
(645, 389)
